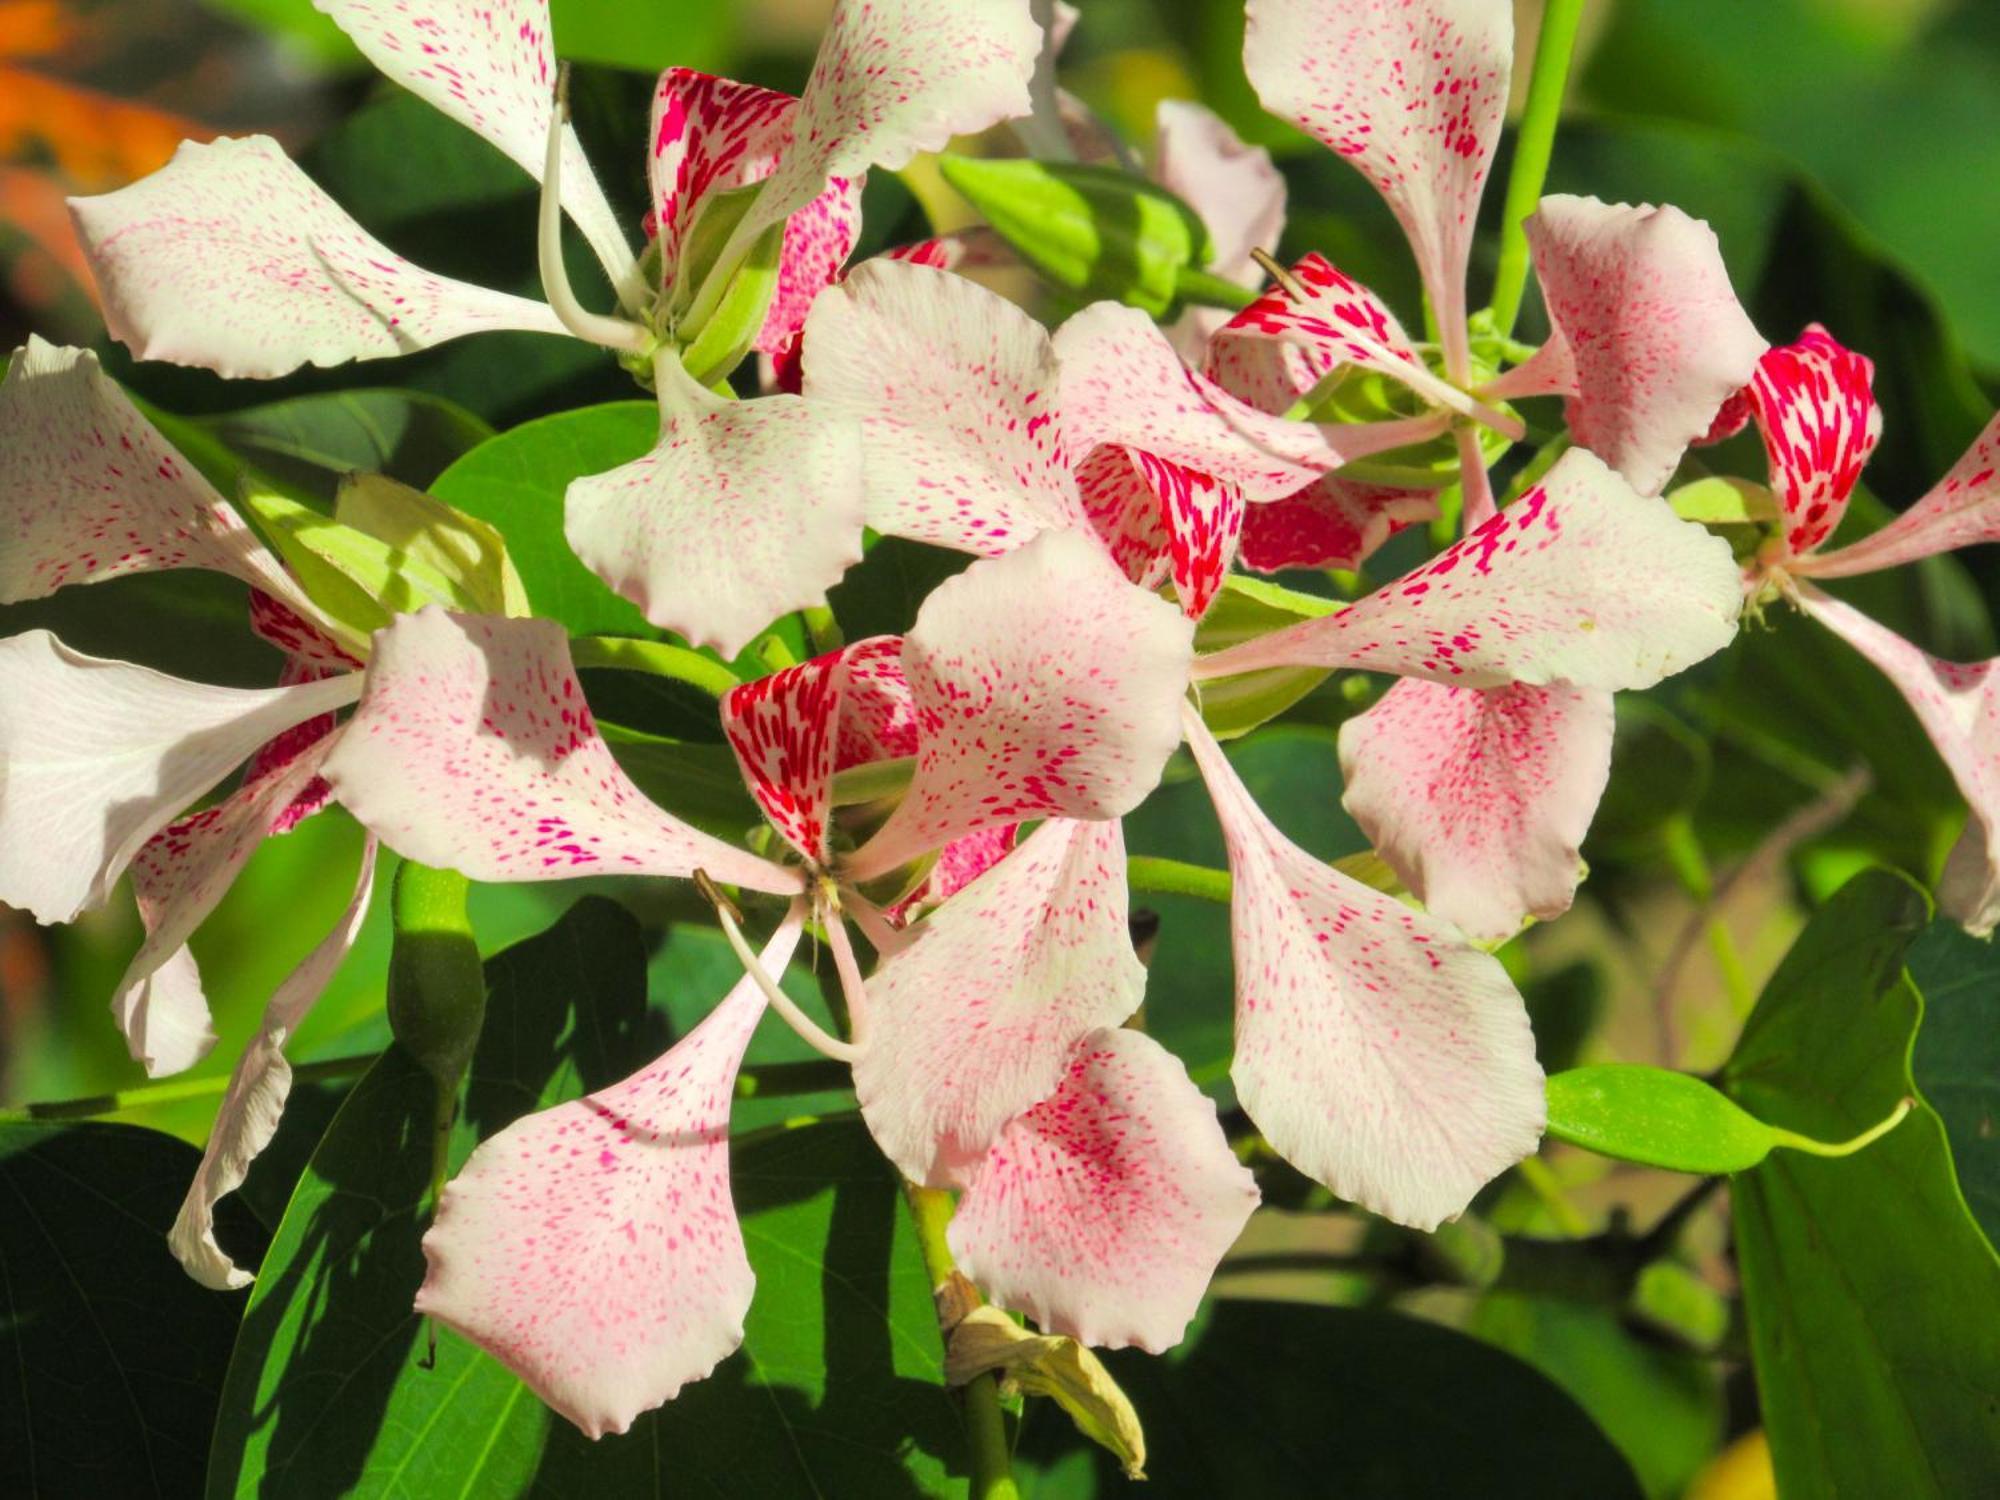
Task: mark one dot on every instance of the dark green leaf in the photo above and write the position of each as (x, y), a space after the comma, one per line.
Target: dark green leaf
(1870, 1290)
(311, 441)
(1273, 1398)
(1654, 1116)
(1957, 1057)
(838, 1386)
(115, 1355)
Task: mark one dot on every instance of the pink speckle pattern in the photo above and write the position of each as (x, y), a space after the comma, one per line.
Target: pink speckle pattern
(1815, 406)
(743, 511)
(710, 135)
(878, 720)
(1125, 514)
(593, 1248)
(94, 491)
(1377, 1050)
(102, 755)
(232, 259)
(1204, 518)
(895, 77)
(1340, 321)
(490, 65)
(972, 1021)
(1334, 523)
(1653, 336)
(472, 748)
(1479, 801)
(1045, 685)
(1411, 93)
(302, 641)
(1960, 510)
(1103, 1211)
(1577, 581)
(958, 864)
(956, 391)
(1958, 705)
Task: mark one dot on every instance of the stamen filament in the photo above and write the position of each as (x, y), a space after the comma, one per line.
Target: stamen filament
(809, 1030)
(845, 965)
(593, 328)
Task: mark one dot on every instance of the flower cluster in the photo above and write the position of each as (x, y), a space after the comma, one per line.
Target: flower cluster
(1106, 479)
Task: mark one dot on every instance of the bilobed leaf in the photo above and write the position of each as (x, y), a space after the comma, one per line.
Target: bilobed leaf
(1957, 1058)
(1272, 1398)
(1869, 1289)
(840, 1382)
(114, 1357)
(1655, 1116)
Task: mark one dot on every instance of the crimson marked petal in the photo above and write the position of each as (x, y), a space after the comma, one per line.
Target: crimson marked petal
(1334, 523)
(1376, 1049)
(972, 1021)
(593, 1248)
(1479, 801)
(255, 1099)
(1045, 685)
(231, 258)
(742, 512)
(1579, 581)
(1655, 337)
(95, 492)
(1958, 705)
(98, 756)
(1411, 93)
(1960, 510)
(490, 65)
(955, 387)
(1815, 406)
(1103, 1211)
(473, 749)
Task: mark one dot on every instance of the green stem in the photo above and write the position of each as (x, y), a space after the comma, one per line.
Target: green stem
(1533, 144)
(1867, 1137)
(1206, 290)
(985, 1423)
(1174, 877)
(149, 1095)
(656, 658)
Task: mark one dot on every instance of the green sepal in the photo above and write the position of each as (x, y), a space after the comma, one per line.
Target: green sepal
(1724, 500)
(715, 347)
(1092, 230)
(1244, 609)
(467, 554)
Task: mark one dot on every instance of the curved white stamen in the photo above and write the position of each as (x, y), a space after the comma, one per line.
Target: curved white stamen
(593, 328)
(846, 966)
(809, 1030)
(1476, 482)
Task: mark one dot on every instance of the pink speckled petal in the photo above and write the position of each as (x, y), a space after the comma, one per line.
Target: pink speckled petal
(961, 250)
(95, 492)
(1653, 332)
(178, 877)
(1102, 1212)
(895, 77)
(1376, 1049)
(1204, 518)
(473, 749)
(593, 1248)
(787, 730)
(302, 641)
(1815, 405)
(1578, 581)
(231, 258)
(490, 65)
(1045, 685)
(1479, 801)
(1236, 189)
(1125, 514)
(954, 386)
(1123, 383)
(1335, 523)
(878, 720)
(1340, 322)
(1958, 705)
(743, 511)
(1411, 93)
(972, 1022)
(101, 755)
(712, 134)
(959, 863)
(1960, 510)
(255, 1099)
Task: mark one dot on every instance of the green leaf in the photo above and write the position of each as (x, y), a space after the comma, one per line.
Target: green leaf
(115, 1356)
(1868, 1287)
(645, 34)
(1096, 232)
(1957, 1059)
(516, 481)
(838, 1386)
(1651, 1115)
(1271, 1398)
(311, 441)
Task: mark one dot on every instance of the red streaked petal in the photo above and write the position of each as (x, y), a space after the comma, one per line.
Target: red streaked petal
(1815, 405)
(1960, 510)
(1334, 523)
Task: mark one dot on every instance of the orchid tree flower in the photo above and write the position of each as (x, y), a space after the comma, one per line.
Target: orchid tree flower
(103, 759)
(1814, 403)
(231, 258)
